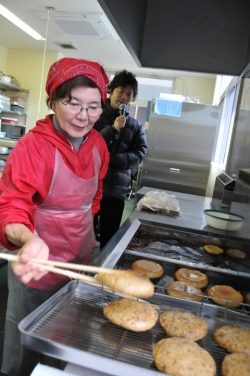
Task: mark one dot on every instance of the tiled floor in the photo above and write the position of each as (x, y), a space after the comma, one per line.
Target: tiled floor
(129, 207)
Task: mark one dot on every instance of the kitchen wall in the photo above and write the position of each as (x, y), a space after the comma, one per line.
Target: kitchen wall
(201, 88)
(3, 58)
(27, 65)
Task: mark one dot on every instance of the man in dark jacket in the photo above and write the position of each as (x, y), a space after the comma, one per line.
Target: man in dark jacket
(126, 141)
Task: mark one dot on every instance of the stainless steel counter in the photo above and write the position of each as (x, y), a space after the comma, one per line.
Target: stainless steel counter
(192, 220)
(192, 207)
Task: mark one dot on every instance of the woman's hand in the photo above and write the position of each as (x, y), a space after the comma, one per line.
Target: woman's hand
(34, 248)
(31, 246)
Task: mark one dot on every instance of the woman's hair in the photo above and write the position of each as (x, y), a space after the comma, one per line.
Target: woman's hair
(123, 79)
(66, 88)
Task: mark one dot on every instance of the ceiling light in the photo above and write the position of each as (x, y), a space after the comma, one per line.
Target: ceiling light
(16, 21)
(105, 24)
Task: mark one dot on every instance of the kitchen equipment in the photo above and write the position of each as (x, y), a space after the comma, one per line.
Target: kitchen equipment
(6, 79)
(7, 120)
(2, 164)
(172, 97)
(242, 187)
(4, 150)
(239, 156)
(180, 149)
(223, 220)
(4, 103)
(10, 80)
(223, 192)
(8, 143)
(14, 131)
(4, 157)
(18, 101)
(71, 325)
(117, 284)
(19, 110)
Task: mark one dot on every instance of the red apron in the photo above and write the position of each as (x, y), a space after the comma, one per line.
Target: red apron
(64, 219)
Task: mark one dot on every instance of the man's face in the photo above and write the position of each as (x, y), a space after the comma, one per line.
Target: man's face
(121, 95)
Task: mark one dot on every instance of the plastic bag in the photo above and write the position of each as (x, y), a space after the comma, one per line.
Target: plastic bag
(160, 202)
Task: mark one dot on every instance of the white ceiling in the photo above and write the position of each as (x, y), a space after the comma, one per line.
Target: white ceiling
(111, 53)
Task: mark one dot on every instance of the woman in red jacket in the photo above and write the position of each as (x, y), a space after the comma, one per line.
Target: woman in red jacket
(49, 191)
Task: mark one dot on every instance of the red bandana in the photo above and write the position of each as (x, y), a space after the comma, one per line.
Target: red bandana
(67, 68)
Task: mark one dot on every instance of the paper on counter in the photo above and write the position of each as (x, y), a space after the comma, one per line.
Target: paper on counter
(41, 370)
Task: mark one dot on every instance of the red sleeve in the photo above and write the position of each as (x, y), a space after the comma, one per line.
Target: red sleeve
(24, 184)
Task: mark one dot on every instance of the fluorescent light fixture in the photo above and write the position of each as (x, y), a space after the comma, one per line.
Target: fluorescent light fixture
(105, 24)
(16, 21)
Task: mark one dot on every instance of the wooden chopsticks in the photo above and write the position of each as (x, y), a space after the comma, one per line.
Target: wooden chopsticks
(64, 265)
(49, 266)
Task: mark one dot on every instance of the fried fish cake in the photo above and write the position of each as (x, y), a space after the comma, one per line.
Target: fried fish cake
(182, 357)
(183, 324)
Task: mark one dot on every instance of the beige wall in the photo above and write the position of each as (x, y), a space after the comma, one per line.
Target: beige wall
(202, 88)
(27, 67)
(3, 59)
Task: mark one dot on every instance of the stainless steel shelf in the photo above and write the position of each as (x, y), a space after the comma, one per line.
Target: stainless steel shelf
(13, 112)
(4, 86)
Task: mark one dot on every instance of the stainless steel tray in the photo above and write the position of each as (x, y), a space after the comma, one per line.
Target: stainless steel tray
(71, 326)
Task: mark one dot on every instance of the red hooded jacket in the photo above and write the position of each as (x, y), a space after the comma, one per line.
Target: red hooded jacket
(28, 172)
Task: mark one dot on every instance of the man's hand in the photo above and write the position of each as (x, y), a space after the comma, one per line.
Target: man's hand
(120, 122)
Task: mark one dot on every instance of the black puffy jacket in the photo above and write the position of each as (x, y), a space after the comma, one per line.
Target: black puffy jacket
(127, 149)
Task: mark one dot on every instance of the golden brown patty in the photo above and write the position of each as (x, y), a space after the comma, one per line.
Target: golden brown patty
(213, 249)
(233, 339)
(236, 364)
(226, 293)
(247, 298)
(236, 253)
(131, 314)
(184, 290)
(149, 268)
(183, 324)
(192, 277)
(128, 282)
(182, 357)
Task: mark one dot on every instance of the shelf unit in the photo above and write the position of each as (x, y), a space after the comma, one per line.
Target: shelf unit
(8, 90)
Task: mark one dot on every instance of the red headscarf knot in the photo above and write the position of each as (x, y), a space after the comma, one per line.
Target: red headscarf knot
(67, 68)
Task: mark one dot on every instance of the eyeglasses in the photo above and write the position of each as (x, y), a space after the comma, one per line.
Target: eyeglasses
(76, 108)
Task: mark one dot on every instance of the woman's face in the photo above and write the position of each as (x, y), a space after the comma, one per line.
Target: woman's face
(79, 124)
(121, 95)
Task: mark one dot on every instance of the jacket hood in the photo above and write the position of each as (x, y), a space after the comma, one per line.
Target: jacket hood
(46, 129)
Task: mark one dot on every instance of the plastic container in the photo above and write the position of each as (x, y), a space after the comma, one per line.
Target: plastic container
(172, 97)
(18, 101)
(6, 120)
(2, 134)
(4, 103)
(223, 220)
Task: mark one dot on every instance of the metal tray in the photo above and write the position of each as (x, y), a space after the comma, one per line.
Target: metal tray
(71, 326)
